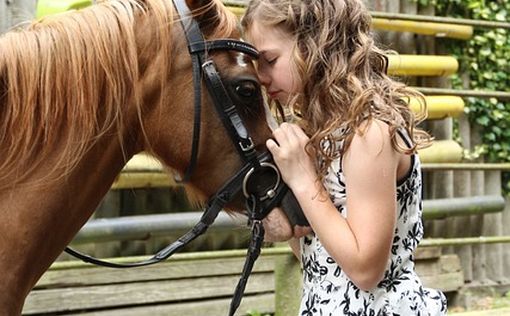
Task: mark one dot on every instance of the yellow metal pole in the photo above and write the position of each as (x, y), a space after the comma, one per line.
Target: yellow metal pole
(422, 65)
(440, 19)
(426, 28)
(500, 95)
(239, 11)
(143, 171)
(440, 106)
(441, 151)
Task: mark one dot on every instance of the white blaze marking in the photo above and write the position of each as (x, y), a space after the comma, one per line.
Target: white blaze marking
(241, 60)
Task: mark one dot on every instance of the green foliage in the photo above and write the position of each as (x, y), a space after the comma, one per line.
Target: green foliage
(485, 57)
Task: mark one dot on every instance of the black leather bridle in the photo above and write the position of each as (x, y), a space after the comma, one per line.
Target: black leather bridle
(259, 179)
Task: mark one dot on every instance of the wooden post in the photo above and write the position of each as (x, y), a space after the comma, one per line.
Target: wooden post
(288, 285)
(477, 188)
(109, 207)
(506, 248)
(440, 182)
(493, 227)
(462, 180)
(462, 187)
(407, 44)
(392, 38)
(4, 18)
(13, 12)
(134, 202)
(378, 5)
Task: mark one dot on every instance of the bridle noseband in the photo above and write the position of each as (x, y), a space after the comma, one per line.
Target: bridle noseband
(261, 197)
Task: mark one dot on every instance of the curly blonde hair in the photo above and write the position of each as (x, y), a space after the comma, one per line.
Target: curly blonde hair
(343, 74)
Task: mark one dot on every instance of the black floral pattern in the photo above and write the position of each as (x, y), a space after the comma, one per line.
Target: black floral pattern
(328, 291)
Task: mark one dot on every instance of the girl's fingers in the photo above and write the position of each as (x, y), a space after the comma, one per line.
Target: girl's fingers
(298, 131)
(272, 146)
(281, 136)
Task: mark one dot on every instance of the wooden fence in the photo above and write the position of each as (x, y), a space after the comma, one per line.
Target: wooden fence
(197, 284)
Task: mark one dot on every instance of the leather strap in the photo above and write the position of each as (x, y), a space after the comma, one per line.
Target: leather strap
(253, 252)
(193, 34)
(215, 205)
(198, 48)
(223, 44)
(229, 116)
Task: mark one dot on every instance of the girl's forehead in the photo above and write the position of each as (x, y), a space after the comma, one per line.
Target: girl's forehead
(266, 37)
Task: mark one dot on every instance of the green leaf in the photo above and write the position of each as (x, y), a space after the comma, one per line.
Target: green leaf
(484, 121)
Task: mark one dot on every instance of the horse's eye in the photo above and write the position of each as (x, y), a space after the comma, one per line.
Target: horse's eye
(246, 89)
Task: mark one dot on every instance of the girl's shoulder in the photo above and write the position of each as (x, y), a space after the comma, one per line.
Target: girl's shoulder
(372, 136)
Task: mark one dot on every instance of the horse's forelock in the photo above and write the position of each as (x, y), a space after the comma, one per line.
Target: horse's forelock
(228, 23)
(218, 21)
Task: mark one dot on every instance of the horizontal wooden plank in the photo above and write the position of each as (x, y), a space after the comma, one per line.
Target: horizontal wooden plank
(140, 293)
(427, 253)
(445, 264)
(450, 263)
(446, 282)
(168, 270)
(263, 303)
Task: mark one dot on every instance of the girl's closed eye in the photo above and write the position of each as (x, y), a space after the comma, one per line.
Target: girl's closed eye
(271, 61)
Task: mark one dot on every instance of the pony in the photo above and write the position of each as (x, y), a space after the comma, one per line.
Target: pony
(84, 91)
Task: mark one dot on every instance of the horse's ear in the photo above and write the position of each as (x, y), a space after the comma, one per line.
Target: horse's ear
(206, 13)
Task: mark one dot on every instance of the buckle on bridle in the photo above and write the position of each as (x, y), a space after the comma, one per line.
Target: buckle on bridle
(249, 146)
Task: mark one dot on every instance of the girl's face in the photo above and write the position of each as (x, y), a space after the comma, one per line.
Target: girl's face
(276, 72)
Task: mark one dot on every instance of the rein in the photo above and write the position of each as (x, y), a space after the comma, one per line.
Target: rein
(260, 198)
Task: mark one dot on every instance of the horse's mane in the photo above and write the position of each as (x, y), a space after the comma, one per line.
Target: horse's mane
(65, 79)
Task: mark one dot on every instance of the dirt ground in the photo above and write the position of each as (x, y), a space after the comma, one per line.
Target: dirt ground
(499, 304)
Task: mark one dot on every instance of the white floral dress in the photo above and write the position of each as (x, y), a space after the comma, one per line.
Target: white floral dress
(327, 291)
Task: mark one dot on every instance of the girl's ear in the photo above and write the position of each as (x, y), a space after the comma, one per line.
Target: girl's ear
(206, 13)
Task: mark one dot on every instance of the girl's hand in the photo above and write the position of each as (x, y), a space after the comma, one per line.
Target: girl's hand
(295, 165)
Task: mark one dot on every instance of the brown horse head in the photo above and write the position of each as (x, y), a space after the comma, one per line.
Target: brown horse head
(172, 117)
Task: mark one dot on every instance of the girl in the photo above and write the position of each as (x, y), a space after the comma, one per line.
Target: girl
(351, 160)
